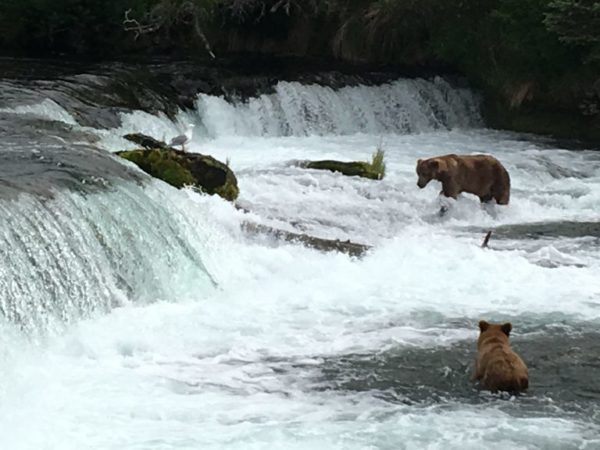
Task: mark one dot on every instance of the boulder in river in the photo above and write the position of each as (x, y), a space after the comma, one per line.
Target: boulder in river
(181, 169)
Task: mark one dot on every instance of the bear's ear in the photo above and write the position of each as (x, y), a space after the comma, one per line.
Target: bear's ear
(483, 325)
(419, 161)
(506, 328)
(434, 164)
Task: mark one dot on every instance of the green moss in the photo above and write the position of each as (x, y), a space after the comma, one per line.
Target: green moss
(165, 165)
(179, 169)
(352, 168)
(213, 176)
(229, 191)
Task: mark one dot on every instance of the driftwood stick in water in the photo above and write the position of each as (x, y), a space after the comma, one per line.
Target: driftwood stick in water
(348, 247)
(486, 240)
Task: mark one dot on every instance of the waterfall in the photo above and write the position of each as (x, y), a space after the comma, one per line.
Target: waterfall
(75, 254)
(403, 106)
(70, 254)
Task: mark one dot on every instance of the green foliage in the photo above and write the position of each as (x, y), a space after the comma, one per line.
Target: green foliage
(228, 191)
(73, 26)
(90, 27)
(384, 30)
(576, 22)
(485, 38)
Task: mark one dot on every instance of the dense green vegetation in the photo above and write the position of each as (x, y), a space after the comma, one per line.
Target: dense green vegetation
(537, 61)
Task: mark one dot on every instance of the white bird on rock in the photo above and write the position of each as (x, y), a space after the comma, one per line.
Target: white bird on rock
(183, 139)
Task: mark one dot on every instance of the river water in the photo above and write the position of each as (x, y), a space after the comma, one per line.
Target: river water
(136, 316)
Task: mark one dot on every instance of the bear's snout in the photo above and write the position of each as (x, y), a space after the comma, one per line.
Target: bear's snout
(421, 183)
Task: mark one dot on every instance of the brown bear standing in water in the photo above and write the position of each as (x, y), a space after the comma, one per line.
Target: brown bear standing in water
(498, 368)
(482, 175)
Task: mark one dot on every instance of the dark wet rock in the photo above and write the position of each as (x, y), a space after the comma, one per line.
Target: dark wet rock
(181, 169)
(38, 159)
(147, 142)
(96, 94)
(327, 245)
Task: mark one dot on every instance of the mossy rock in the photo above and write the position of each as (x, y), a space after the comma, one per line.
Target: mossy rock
(351, 168)
(181, 169)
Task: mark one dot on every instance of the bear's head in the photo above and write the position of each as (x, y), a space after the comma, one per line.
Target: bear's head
(498, 330)
(427, 169)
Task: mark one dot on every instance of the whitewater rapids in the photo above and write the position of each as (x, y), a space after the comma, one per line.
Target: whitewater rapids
(142, 317)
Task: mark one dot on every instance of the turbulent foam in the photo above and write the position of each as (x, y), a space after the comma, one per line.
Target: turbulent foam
(178, 364)
(334, 206)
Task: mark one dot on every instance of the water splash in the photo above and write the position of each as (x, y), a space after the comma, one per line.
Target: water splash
(65, 258)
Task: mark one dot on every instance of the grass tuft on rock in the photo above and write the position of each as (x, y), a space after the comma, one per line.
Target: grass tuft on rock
(378, 163)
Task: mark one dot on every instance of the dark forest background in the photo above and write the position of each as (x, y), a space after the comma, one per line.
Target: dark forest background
(536, 61)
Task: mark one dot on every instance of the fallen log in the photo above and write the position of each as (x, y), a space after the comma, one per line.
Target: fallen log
(327, 245)
(350, 168)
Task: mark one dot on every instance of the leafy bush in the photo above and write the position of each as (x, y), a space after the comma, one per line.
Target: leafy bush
(577, 23)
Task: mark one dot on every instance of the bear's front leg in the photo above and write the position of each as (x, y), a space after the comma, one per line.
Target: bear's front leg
(444, 204)
(450, 189)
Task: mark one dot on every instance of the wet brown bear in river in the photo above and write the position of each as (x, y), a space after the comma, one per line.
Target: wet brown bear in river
(497, 367)
(482, 175)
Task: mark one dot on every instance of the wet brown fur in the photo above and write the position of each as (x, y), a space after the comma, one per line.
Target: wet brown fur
(482, 175)
(498, 367)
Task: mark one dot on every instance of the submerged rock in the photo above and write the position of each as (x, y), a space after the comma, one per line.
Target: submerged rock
(326, 245)
(181, 169)
(374, 170)
(352, 168)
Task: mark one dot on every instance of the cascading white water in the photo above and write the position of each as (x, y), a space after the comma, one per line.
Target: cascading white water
(298, 348)
(66, 257)
(47, 109)
(402, 106)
